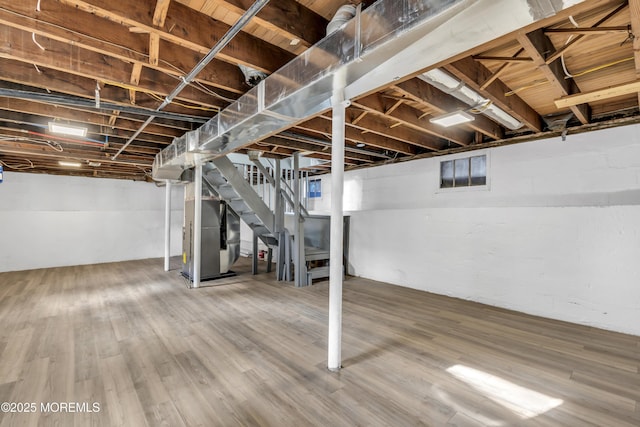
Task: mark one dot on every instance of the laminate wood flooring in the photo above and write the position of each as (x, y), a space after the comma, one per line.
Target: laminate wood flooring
(250, 351)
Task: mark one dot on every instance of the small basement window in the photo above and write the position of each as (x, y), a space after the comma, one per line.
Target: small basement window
(315, 188)
(465, 172)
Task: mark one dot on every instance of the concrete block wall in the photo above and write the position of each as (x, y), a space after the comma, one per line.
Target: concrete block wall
(51, 221)
(555, 233)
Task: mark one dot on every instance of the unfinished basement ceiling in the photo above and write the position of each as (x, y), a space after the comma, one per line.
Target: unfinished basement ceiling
(59, 58)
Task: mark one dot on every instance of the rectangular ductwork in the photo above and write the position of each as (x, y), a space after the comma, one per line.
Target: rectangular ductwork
(389, 40)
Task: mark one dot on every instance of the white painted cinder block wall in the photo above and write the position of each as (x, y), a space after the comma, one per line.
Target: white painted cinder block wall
(51, 221)
(555, 234)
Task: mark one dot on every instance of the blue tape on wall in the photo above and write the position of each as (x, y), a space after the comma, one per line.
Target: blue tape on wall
(0, 174)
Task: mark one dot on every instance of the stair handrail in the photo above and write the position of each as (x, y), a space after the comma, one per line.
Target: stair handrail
(287, 196)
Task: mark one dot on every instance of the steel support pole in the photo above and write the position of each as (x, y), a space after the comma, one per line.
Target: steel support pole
(278, 198)
(197, 227)
(167, 225)
(254, 256)
(298, 250)
(279, 221)
(336, 250)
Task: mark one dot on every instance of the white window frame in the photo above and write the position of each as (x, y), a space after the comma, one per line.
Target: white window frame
(463, 155)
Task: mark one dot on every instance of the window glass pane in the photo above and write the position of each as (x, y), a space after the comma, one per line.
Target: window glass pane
(479, 170)
(315, 188)
(446, 174)
(462, 172)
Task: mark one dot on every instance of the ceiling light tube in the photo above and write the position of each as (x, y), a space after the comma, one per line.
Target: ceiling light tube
(452, 119)
(447, 83)
(64, 129)
(70, 164)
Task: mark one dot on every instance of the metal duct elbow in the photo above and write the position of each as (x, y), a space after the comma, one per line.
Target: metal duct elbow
(252, 76)
(342, 16)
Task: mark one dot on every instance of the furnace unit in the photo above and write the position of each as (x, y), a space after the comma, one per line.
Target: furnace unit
(220, 242)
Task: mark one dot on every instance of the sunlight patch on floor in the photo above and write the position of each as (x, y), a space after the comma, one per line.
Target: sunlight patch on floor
(522, 401)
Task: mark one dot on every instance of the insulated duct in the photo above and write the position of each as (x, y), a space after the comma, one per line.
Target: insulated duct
(449, 84)
(344, 14)
(388, 40)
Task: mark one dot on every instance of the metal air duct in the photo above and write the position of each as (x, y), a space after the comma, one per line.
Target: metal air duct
(389, 40)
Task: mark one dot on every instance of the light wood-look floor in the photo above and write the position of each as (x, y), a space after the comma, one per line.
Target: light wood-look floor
(253, 352)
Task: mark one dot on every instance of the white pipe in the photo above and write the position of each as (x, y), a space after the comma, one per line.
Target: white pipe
(336, 246)
(197, 227)
(167, 226)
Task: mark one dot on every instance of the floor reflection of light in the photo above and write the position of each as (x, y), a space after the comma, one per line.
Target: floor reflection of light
(522, 401)
(468, 411)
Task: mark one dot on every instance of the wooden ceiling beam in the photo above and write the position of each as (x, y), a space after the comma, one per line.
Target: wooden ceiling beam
(114, 117)
(381, 125)
(136, 71)
(537, 45)
(322, 126)
(410, 117)
(289, 141)
(502, 58)
(634, 12)
(73, 60)
(154, 49)
(598, 95)
(473, 74)
(186, 27)
(25, 74)
(288, 18)
(93, 33)
(30, 148)
(589, 30)
(39, 125)
(295, 146)
(500, 70)
(93, 118)
(556, 53)
(140, 153)
(160, 12)
(435, 99)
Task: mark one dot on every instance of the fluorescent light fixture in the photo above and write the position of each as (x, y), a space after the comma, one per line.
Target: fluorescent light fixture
(452, 119)
(70, 164)
(63, 129)
(454, 87)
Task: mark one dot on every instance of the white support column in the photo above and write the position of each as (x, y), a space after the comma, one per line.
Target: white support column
(197, 227)
(279, 225)
(339, 106)
(279, 221)
(167, 225)
(300, 277)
